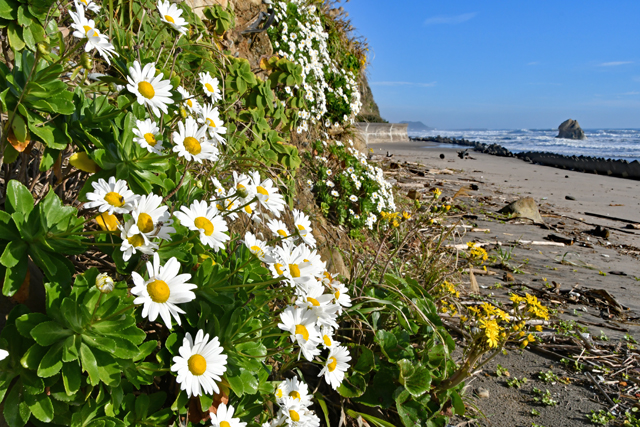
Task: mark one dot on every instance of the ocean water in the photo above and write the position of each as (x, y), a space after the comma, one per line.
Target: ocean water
(607, 143)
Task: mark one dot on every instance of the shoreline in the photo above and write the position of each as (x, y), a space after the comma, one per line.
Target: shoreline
(585, 164)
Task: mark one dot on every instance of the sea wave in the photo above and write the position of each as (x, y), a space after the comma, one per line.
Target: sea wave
(608, 143)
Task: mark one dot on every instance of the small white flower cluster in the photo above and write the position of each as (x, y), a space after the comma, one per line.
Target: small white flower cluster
(306, 45)
(294, 400)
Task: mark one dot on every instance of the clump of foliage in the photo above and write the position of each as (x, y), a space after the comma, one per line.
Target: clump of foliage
(348, 188)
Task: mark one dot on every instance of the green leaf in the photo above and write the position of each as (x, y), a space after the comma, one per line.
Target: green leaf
(377, 422)
(51, 362)
(89, 364)
(109, 371)
(40, 406)
(323, 405)
(27, 322)
(457, 403)
(15, 277)
(415, 377)
(15, 251)
(354, 386)
(366, 361)
(71, 377)
(19, 199)
(8, 9)
(31, 359)
(14, 32)
(48, 333)
(8, 230)
(16, 411)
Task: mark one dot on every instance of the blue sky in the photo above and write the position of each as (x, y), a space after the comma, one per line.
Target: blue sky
(504, 63)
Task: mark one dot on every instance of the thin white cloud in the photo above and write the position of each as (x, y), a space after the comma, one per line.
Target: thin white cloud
(450, 19)
(632, 93)
(402, 84)
(533, 63)
(615, 63)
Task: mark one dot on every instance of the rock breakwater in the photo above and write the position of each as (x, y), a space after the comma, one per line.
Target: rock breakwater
(596, 165)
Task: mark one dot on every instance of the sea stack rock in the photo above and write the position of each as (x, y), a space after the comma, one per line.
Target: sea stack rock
(570, 129)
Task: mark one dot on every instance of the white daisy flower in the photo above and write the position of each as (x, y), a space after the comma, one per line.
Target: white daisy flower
(163, 290)
(303, 227)
(211, 86)
(257, 247)
(310, 184)
(112, 197)
(89, 5)
(336, 365)
(326, 332)
(171, 14)
(191, 142)
(149, 89)
(85, 28)
(224, 417)
(330, 184)
(353, 198)
(133, 241)
(295, 389)
(267, 194)
(299, 269)
(145, 135)
(315, 300)
(210, 117)
(334, 193)
(341, 295)
(329, 172)
(3, 354)
(200, 365)
(204, 218)
(189, 100)
(300, 323)
(293, 413)
(152, 218)
(278, 228)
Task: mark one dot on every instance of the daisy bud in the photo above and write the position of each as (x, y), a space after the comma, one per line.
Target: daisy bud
(104, 283)
(43, 48)
(242, 192)
(183, 113)
(175, 81)
(86, 61)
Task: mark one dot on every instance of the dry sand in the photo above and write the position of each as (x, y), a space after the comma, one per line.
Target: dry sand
(501, 180)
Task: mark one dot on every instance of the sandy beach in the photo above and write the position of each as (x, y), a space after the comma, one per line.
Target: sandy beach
(591, 263)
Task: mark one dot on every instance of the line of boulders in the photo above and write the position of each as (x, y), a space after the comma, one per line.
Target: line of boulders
(596, 165)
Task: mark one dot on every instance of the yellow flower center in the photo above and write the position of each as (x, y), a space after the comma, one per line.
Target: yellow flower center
(210, 123)
(170, 19)
(248, 209)
(87, 29)
(204, 224)
(158, 291)
(295, 395)
(295, 270)
(300, 227)
(337, 294)
(294, 415)
(146, 89)
(313, 301)
(192, 145)
(224, 424)
(261, 190)
(302, 330)
(282, 233)
(279, 393)
(84, 1)
(136, 241)
(209, 87)
(333, 362)
(327, 340)
(145, 223)
(114, 199)
(151, 139)
(278, 268)
(197, 364)
(257, 251)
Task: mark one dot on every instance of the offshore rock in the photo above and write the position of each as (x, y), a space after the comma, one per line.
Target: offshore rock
(570, 129)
